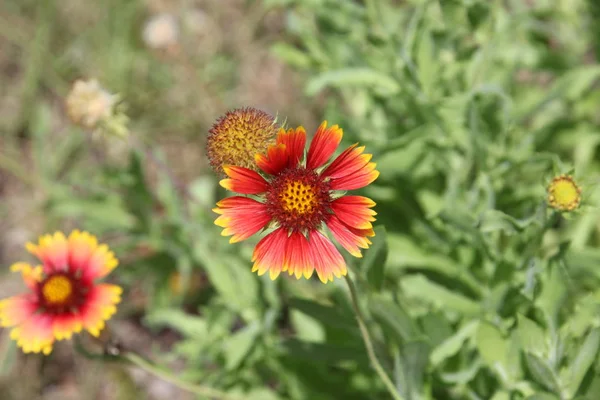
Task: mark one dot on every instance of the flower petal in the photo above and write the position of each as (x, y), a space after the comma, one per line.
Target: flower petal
(52, 251)
(269, 253)
(357, 180)
(99, 307)
(65, 325)
(348, 162)
(294, 141)
(35, 335)
(81, 247)
(241, 217)
(354, 211)
(323, 145)
(274, 161)
(17, 309)
(348, 238)
(100, 263)
(243, 180)
(298, 259)
(31, 275)
(327, 259)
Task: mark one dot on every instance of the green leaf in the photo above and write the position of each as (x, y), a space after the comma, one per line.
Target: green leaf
(327, 315)
(233, 280)
(291, 55)
(326, 353)
(453, 344)
(188, 325)
(356, 77)
(541, 372)
(394, 317)
(494, 220)
(584, 360)
(543, 396)
(533, 339)
(375, 257)
(414, 360)
(419, 287)
(493, 347)
(237, 346)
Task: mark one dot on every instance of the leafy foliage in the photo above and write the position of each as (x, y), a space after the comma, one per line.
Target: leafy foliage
(473, 288)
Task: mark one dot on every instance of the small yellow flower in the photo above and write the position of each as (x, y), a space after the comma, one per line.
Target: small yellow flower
(563, 193)
(238, 136)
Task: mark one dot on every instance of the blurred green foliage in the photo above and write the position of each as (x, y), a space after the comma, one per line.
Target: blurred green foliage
(473, 288)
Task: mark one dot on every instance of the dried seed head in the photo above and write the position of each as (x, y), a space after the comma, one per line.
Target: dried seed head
(238, 136)
(88, 103)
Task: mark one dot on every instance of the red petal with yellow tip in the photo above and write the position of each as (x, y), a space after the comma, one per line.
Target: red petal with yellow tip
(323, 145)
(241, 217)
(269, 253)
(347, 237)
(328, 262)
(274, 161)
(354, 211)
(294, 141)
(243, 180)
(357, 180)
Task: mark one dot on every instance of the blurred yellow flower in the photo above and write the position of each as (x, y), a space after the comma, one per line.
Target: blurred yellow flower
(563, 193)
(238, 136)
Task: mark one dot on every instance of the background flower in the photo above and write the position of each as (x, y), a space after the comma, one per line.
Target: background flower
(63, 296)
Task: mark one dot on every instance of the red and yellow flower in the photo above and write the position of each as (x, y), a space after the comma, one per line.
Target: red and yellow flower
(298, 196)
(64, 297)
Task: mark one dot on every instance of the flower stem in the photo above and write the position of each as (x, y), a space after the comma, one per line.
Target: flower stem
(138, 361)
(168, 377)
(369, 343)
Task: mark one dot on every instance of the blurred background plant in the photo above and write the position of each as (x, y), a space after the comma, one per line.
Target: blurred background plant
(473, 288)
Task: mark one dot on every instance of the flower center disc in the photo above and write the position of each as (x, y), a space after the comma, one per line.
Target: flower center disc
(564, 193)
(298, 199)
(57, 290)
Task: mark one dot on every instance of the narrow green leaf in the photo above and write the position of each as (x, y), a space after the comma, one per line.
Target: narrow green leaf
(394, 317)
(326, 315)
(419, 287)
(533, 339)
(237, 346)
(541, 372)
(414, 359)
(356, 77)
(493, 347)
(584, 360)
(453, 344)
(494, 220)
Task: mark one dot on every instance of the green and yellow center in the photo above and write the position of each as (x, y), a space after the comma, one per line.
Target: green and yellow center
(563, 193)
(298, 199)
(57, 289)
(238, 136)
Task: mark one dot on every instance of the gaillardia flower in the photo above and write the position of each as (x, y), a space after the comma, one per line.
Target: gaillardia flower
(563, 193)
(63, 296)
(237, 136)
(299, 195)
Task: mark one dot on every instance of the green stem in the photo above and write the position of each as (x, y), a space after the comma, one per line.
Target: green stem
(369, 343)
(168, 377)
(159, 372)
